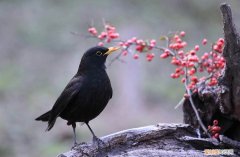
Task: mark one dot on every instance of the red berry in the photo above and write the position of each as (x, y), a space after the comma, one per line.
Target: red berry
(195, 91)
(108, 40)
(167, 51)
(184, 44)
(221, 40)
(149, 59)
(178, 70)
(129, 42)
(182, 33)
(150, 47)
(153, 41)
(164, 55)
(114, 35)
(124, 53)
(193, 58)
(216, 135)
(183, 80)
(140, 42)
(193, 52)
(139, 48)
(92, 30)
(110, 28)
(201, 69)
(216, 128)
(100, 44)
(215, 122)
(175, 61)
(135, 56)
(191, 72)
(182, 72)
(172, 75)
(213, 81)
(186, 96)
(216, 48)
(191, 86)
(175, 75)
(176, 37)
(134, 39)
(196, 47)
(205, 56)
(213, 132)
(150, 56)
(179, 40)
(209, 70)
(180, 52)
(102, 35)
(204, 41)
(190, 64)
(194, 79)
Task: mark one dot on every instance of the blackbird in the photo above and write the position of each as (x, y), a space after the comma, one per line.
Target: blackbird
(87, 93)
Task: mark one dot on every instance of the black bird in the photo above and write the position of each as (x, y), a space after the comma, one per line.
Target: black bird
(87, 93)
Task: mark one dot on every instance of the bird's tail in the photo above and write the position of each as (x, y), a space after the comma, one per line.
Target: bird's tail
(45, 117)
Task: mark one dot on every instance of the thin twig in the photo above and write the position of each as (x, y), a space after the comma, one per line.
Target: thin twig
(193, 105)
(116, 58)
(180, 103)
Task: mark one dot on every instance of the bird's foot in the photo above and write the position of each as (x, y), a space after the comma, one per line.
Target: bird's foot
(101, 146)
(98, 142)
(74, 145)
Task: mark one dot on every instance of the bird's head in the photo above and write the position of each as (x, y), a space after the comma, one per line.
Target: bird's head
(96, 56)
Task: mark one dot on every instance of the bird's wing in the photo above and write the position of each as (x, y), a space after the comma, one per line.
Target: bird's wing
(70, 91)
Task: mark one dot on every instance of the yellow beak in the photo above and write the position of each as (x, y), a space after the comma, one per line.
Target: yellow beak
(111, 50)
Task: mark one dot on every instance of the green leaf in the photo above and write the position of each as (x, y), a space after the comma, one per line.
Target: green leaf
(163, 38)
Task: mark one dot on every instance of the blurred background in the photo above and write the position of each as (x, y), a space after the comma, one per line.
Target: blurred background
(39, 55)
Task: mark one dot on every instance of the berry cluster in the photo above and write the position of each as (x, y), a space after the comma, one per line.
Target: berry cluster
(188, 63)
(105, 36)
(214, 129)
(140, 46)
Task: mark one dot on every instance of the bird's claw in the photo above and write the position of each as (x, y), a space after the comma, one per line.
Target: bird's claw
(101, 146)
(98, 142)
(74, 145)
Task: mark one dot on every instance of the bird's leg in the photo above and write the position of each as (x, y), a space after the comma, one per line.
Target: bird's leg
(74, 134)
(91, 130)
(96, 140)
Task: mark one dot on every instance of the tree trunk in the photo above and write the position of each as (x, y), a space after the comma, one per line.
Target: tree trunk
(221, 102)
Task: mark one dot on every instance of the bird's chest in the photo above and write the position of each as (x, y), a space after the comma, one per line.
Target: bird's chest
(98, 83)
(98, 89)
(98, 93)
(94, 95)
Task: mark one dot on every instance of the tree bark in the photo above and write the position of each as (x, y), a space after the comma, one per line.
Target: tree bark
(221, 102)
(175, 140)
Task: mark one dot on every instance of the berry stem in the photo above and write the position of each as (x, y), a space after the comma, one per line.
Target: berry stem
(193, 105)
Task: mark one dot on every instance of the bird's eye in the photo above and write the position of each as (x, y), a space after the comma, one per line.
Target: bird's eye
(99, 53)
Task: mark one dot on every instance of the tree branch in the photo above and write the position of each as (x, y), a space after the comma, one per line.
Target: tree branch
(154, 140)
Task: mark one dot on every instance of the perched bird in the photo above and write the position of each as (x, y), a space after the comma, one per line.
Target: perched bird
(87, 93)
